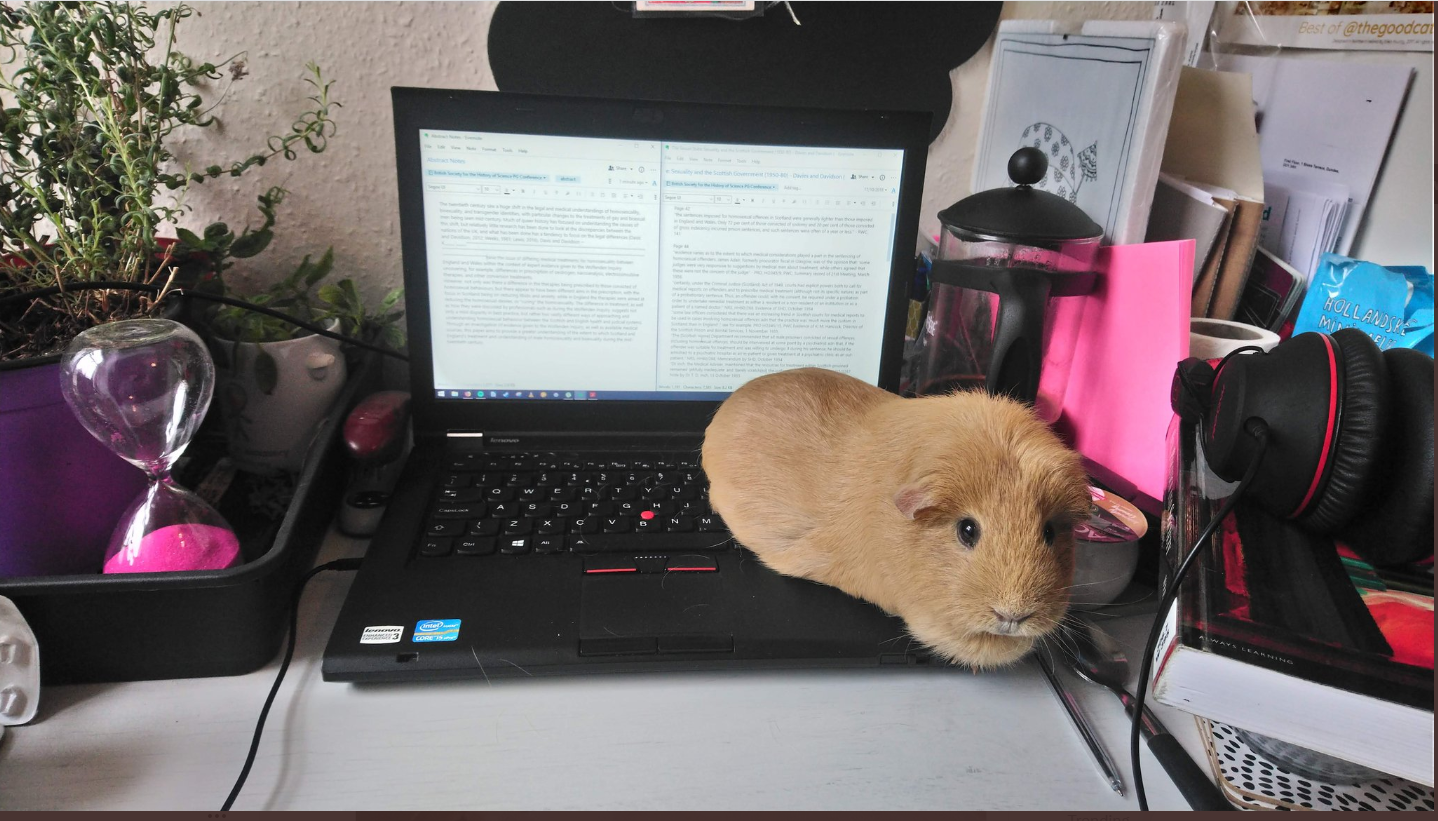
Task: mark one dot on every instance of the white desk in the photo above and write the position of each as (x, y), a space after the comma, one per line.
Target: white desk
(913, 739)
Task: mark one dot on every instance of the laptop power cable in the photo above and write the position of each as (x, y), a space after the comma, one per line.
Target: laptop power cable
(338, 564)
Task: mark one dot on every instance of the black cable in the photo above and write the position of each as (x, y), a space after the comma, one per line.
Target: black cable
(338, 564)
(54, 290)
(1259, 431)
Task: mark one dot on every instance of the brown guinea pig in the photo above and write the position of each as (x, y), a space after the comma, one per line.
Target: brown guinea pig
(953, 512)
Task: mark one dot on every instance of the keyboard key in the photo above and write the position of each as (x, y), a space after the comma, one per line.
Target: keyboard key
(475, 546)
(709, 524)
(531, 494)
(563, 494)
(648, 526)
(534, 509)
(518, 527)
(565, 510)
(549, 526)
(513, 545)
(690, 563)
(548, 544)
(461, 495)
(499, 494)
(614, 524)
(623, 493)
(446, 510)
(649, 543)
(503, 510)
(484, 527)
(435, 546)
(444, 527)
(458, 480)
(679, 524)
(586, 524)
(601, 509)
(683, 493)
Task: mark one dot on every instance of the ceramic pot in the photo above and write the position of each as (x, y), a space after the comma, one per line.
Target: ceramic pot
(61, 491)
(273, 396)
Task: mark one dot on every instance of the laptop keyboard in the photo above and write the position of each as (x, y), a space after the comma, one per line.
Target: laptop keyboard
(588, 503)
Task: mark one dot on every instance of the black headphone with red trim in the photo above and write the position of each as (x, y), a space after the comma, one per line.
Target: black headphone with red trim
(1350, 436)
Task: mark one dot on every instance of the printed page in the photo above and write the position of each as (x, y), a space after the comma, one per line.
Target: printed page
(1325, 121)
(543, 258)
(772, 258)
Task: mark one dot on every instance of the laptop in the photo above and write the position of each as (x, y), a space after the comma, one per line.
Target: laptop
(586, 281)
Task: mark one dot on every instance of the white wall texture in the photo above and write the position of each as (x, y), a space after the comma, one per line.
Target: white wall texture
(346, 196)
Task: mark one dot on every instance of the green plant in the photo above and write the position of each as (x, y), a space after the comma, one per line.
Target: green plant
(302, 296)
(91, 93)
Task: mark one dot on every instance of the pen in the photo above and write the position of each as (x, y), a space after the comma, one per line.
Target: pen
(1100, 756)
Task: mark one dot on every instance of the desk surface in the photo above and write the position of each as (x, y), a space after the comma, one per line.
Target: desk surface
(909, 739)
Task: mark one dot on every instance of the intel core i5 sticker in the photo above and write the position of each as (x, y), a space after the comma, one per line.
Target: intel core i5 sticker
(436, 630)
(381, 635)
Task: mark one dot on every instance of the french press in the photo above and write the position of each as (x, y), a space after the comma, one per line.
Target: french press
(1004, 298)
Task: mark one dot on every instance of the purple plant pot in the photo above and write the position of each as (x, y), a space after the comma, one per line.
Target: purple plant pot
(61, 491)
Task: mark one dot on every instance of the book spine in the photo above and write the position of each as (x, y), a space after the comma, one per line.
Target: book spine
(1167, 645)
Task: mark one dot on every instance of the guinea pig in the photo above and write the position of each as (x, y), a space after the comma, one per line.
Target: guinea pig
(953, 512)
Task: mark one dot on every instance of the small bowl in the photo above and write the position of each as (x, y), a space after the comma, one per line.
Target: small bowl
(1105, 549)
(1306, 763)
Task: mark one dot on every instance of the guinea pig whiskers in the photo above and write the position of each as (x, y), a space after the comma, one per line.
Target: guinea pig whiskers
(1091, 584)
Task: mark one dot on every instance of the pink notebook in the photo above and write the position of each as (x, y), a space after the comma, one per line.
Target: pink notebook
(1134, 332)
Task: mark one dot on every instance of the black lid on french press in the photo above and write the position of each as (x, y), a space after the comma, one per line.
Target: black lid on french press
(1021, 214)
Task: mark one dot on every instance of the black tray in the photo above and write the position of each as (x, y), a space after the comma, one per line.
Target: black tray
(136, 626)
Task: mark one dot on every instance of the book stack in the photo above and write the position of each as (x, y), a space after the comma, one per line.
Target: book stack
(1211, 186)
(1293, 641)
(1273, 294)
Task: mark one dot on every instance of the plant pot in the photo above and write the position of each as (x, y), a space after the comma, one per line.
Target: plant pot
(273, 397)
(61, 491)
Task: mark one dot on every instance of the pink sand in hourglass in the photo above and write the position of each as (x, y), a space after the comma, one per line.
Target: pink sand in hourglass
(178, 547)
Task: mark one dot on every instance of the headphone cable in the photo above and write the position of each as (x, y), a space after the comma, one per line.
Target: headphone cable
(1256, 428)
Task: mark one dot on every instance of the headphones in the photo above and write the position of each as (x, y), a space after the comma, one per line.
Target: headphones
(1349, 436)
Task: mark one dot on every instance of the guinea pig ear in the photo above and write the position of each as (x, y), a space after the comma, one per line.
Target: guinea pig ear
(914, 500)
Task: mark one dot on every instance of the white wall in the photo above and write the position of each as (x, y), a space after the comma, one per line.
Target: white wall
(346, 197)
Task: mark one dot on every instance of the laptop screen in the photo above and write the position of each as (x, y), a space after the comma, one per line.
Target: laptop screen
(584, 268)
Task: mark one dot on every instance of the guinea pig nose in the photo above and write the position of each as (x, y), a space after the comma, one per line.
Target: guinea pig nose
(1010, 621)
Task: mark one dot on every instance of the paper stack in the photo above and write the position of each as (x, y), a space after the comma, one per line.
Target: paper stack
(1324, 128)
(1304, 218)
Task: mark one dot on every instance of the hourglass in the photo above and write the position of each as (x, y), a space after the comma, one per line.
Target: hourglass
(142, 386)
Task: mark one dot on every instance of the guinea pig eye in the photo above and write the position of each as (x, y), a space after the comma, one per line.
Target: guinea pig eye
(1049, 534)
(968, 532)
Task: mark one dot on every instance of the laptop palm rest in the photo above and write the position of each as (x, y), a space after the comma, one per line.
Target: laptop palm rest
(649, 613)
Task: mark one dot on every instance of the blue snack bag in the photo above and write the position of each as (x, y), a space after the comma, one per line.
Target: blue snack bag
(1393, 304)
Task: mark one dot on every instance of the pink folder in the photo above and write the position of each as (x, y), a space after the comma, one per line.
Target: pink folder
(1133, 334)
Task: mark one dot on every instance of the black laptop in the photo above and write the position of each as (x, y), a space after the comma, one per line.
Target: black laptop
(586, 281)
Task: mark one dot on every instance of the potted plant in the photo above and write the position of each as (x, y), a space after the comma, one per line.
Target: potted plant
(277, 379)
(92, 93)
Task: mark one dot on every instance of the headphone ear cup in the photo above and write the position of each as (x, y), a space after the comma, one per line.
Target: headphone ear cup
(1396, 524)
(1357, 450)
(1192, 385)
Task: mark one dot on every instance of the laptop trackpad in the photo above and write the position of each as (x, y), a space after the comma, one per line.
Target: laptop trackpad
(653, 605)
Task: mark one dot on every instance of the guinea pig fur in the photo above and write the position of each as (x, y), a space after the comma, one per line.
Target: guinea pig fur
(953, 512)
